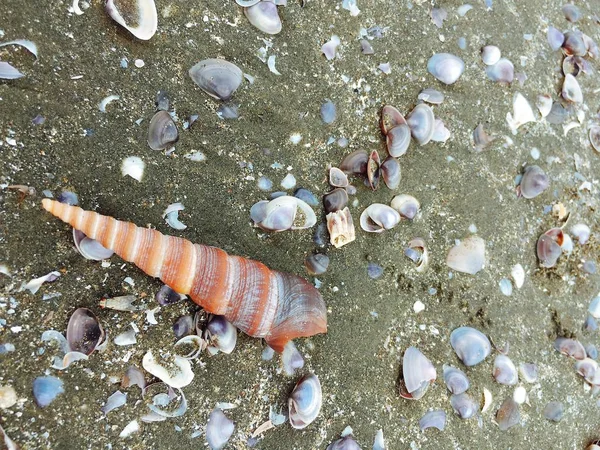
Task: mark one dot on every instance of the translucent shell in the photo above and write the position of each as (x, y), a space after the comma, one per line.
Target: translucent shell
(162, 131)
(549, 247)
(264, 16)
(455, 379)
(390, 118)
(406, 205)
(139, 17)
(534, 182)
(378, 217)
(555, 38)
(470, 345)
(90, 248)
(468, 256)
(571, 91)
(446, 67)
(422, 123)
(570, 347)
(432, 96)
(505, 371)
(217, 77)
(508, 415)
(305, 402)
(502, 72)
(220, 334)
(417, 374)
(45, 390)
(218, 429)
(433, 419)
(463, 405)
(574, 44)
(84, 332)
(490, 54)
(283, 213)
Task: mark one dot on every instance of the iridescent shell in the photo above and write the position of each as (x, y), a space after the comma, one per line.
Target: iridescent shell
(471, 345)
(265, 17)
(305, 402)
(446, 67)
(217, 77)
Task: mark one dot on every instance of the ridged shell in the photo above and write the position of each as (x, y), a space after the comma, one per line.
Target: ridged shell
(264, 16)
(418, 372)
(341, 228)
(398, 140)
(305, 402)
(260, 302)
(421, 122)
(217, 77)
(471, 345)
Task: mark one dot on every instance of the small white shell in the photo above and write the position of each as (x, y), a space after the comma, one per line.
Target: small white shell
(265, 17)
(490, 54)
(145, 22)
(518, 275)
(134, 167)
(446, 67)
(406, 205)
(522, 113)
(544, 104)
(468, 256)
(378, 217)
(174, 370)
(505, 371)
(571, 91)
(218, 430)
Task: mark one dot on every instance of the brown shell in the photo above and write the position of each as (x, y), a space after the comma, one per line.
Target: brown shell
(261, 302)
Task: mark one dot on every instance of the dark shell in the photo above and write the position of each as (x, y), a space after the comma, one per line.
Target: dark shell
(390, 118)
(316, 264)
(84, 332)
(335, 200)
(390, 172)
(574, 44)
(355, 163)
(162, 131)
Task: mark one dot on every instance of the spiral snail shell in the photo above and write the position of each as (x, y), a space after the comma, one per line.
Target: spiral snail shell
(261, 302)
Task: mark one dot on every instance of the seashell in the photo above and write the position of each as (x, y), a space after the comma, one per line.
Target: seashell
(341, 228)
(328, 112)
(305, 402)
(217, 77)
(330, 47)
(487, 399)
(247, 3)
(190, 347)
(84, 332)
(440, 132)
(283, 213)
(549, 247)
(406, 205)
(306, 196)
(366, 48)
(373, 171)
(591, 351)
(490, 55)
(470, 345)
(220, 334)
(522, 113)
(131, 428)
(8, 397)
(291, 359)
(69, 198)
(505, 287)
(219, 427)
(46, 389)
(337, 178)
(534, 182)
(582, 232)
(502, 72)
(432, 96)
(555, 38)
(374, 271)
(345, 443)
(588, 369)
(116, 400)
(590, 324)
(355, 163)
(164, 400)
(438, 15)
(574, 44)
(554, 411)
(417, 374)
(335, 200)
(505, 371)
(594, 308)
(544, 104)
(421, 122)
(468, 256)
(379, 217)
(570, 347)
(433, 419)
(508, 415)
(132, 376)
(398, 140)
(390, 172)
(558, 114)
(455, 379)
(446, 67)
(390, 118)
(167, 296)
(90, 248)
(162, 132)
(379, 443)
(571, 91)
(594, 135)
(463, 405)
(8, 72)
(183, 326)
(265, 17)
(139, 17)
(172, 370)
(571, 12)
(481, 139)
(288, 182)
(418, 253)
(316, 264)
(126, 338)
(133, 166)
(520, 395)
(518, 275)
(574, 64)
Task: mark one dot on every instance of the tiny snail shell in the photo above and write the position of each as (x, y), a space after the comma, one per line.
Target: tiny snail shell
(162, 131)
(335, 200)
(463, 405)
(379, 217)
(217, 77)
(446, 67)
(305, 402)
(84, 332)
(390, 118)
(470, 345)
(398, 140)
(422, 123)
(265, 17)
(218, 429)
(316, 264)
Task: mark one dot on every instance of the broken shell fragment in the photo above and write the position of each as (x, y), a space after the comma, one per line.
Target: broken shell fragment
(463, 405)
(433, 419)
(594, 136)
(340, 227)
(490, 55)
(455, 379)
(220, 334)
(378, 217)
(328, 112)
(316, 264)
(390, 118)
(417, 374)
(189, 347)
(432, 96)
(217, 77)
(505, 371)
(467, 256)
(116, 400)
(502, 72)
(555, 38)
(440, 132)
(264, 16)
(172, 370)
(522, 113)
(570, 347)
(554, 411)
(574, 44)
(162, 132)
(305, 402)
(518, 275)
(406, 205)
(330, 47)
(335, 200)
(218, 429)
(571, 91)
(46, 389)
(139, 17)
(422, 123)
(549, 247)
(534, 182)
(345, 443)
(84, 332)
(390, 172)
(90, 248)
(470, 345)
(508, 415)
(373, 172)
(167, 296)
(446, 67)
(398, 140)
(337, 178)
(283, 213)
(481, 139)
(544, 104)
(581, 232)
(355, 163)
(418, 253)
(164, 400)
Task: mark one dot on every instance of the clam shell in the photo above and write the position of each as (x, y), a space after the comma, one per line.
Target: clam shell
(398, 140)
(345, 443)
(490, 55)
(355, 163)
(341, 228)
(574, 44)
(594, 135)
(431, 95)
(502, 72)
(455, 379)
(167, 296)
(316, 264)
(446, 67)
(305, 402)
(548, 247)
(337, 178)
(406, 205)
(570, 347)
(433, 419)
(554, 411)
(218, 429)
(84, 332)
(373, 172)
(378, 217)
(522, 113)
(390, 118)
(328, 112)
(463, 405)
(90, 248)
(470, 345)
(418, 371)
(335, 200)
(162, 132)
(418, 253)
(571, 12)
(505, 371)
(283, 213)
(468, 256)
(481, 139)
(217, 77)
(555, 38)
(291, 359)
(421, 122)
(174, 370)
(164, 400)
(264, 16)
(139, 17)
(544, 104)
(46, 389)
(508, 415)
(221, 334)
(440, 132)
(534, 182)
(390, 172)
(571, 91)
